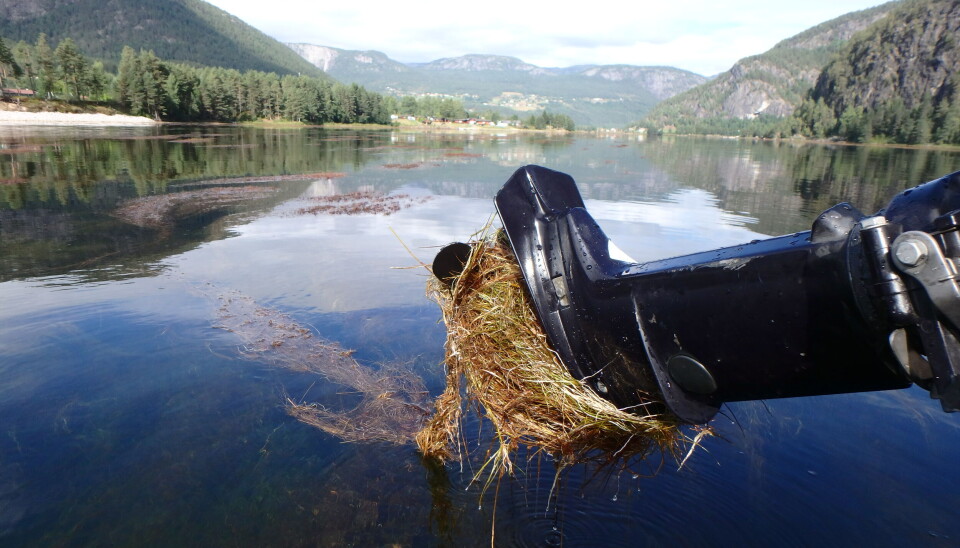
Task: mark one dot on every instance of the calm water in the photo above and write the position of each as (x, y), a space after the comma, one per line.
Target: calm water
(127, 418)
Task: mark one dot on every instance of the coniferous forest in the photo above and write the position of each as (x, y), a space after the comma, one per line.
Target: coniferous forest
(145, 85)
(149, 86)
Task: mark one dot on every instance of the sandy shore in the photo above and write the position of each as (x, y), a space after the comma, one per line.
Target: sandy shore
(14, 118)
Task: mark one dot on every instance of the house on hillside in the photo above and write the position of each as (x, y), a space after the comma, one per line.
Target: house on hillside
(17, 92)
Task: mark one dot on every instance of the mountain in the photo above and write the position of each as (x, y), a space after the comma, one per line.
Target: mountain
(599, 95)
(772, 83)
(347, 62)
(477, 63)
(911, 55)
(189, 31)
(899, 80)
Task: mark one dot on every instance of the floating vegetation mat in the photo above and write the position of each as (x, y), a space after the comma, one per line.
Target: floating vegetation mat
(393, 404)
(360, 202)
(497, 347)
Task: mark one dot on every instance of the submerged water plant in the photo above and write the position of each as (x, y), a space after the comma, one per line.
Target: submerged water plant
(393, 401)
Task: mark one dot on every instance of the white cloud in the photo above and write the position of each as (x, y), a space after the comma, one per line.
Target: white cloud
(703, 36)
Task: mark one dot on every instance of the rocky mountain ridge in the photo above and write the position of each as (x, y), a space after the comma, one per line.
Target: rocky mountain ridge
(899, 81)
(912, 56)
(772, 83)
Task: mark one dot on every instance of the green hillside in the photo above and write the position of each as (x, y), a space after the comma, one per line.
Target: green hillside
(186, 31)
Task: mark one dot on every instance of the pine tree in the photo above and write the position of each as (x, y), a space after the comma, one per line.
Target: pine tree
(45, 67)
(126, 84)
(23, 55)
(921, 128)
(948, 130)
(72, 67)
(7, 62)
(97, 81)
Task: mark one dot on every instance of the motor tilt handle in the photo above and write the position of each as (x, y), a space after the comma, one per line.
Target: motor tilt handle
(857, 303)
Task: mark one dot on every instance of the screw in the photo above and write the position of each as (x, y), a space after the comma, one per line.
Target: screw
(911, 252)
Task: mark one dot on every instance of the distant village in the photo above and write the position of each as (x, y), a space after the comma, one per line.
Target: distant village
(462, 121)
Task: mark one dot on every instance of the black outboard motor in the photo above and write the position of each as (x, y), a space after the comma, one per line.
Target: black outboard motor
(857, 303)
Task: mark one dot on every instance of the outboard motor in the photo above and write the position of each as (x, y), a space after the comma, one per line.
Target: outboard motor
(857, 303)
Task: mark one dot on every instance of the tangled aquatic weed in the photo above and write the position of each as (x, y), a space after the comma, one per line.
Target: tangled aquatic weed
(498, 354)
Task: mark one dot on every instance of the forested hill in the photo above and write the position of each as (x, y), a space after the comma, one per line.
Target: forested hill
(899, 80)
(188, 31)
(772, 83)
(600, 95)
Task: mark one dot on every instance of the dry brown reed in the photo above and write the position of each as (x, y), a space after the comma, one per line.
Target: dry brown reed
(497, 347)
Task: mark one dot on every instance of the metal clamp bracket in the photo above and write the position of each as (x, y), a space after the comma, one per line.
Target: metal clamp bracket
(918, 255)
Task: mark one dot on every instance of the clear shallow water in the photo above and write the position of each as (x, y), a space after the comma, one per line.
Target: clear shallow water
(127, 418)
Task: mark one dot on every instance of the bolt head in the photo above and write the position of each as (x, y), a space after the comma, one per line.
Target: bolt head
(911, 252)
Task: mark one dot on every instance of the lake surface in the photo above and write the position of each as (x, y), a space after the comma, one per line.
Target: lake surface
(130, 417)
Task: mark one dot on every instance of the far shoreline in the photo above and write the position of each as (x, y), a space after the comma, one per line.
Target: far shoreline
(15, 118)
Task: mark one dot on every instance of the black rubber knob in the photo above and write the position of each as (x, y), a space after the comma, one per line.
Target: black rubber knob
(449, 262)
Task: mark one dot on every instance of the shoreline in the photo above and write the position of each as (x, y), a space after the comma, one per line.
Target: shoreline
(21, 118)
(796, 140)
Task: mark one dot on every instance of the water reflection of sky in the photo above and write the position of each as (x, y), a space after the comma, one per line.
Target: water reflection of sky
(341, 263)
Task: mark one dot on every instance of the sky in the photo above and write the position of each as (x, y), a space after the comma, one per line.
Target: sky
(702, 36)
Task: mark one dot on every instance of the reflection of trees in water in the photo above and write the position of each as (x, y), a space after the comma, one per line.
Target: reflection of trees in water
(785, 185)
(68, 169)
(86, 236)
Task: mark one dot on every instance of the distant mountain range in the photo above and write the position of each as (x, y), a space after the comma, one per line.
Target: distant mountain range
(772, 83)
(600, 95)
(189, 31)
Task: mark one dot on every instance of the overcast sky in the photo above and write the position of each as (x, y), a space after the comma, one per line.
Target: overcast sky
(704, 36)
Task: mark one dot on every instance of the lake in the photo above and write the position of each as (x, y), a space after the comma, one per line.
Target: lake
(140, 406)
